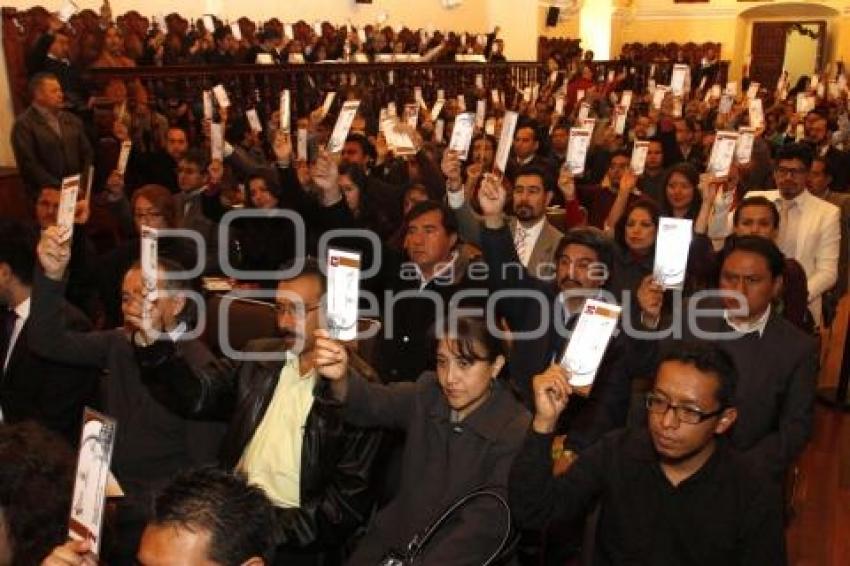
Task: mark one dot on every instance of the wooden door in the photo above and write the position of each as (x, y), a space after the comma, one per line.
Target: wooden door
(768, 50)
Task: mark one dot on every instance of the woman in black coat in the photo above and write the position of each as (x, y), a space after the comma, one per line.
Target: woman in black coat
(463, 428)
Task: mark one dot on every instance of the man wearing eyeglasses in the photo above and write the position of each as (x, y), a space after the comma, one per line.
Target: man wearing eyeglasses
(809, 228)
(286, 433)
(673, 493)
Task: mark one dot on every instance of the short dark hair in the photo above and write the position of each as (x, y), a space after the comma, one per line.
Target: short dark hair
(619, 153)
(36, 481)
(310, 268)
(759, 246)
(464, 332)
(364, 143)
(356, 173)
(799, 151)
(530, 124)
(238, 517)
(828, 167)
(707, 358)
(756, 201)
(448, 219)
(530, 170)
(38, 79)
(197, 157)
(589, 237)
(17, 248)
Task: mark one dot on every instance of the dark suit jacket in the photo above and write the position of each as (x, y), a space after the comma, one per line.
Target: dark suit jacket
(775, 393)
(50, 393)
(43, 157)
(586, 419)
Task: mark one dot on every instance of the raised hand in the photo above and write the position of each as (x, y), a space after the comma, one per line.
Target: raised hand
(72, 553)
(325, 176)
(492, 196)
(551, 394)
(282, 146)
(650, 297)
(567, 184)
(451, 168)
(54, 252)
(330, 356)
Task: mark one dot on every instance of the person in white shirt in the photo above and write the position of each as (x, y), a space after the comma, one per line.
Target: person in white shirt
(809, 228)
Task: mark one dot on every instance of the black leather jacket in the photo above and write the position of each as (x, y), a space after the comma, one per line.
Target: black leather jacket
(336, 458)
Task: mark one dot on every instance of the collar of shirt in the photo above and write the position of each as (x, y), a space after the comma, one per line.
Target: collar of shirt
(799, 200)
(532, 232)
(292, 361)
(444, 268)
(527, 160)
(747, 327)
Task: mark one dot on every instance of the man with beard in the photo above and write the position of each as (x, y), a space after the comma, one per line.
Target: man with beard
(286, 433)
(534, 237)
(540, 316)
(583, 260)
(672, 493)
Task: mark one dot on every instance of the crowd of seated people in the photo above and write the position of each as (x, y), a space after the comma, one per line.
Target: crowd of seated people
(476, 277)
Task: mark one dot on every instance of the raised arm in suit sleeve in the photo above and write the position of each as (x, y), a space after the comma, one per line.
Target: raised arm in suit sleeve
(377, 405)
(468, 222)
(49, 335)
(188, 379)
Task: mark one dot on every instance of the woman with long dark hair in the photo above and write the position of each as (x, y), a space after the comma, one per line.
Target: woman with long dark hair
(463, 427)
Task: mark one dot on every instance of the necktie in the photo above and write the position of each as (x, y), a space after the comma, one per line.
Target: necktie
(521, 243)
(7, 327)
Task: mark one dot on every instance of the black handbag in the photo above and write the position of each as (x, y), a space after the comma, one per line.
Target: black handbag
(411, 555)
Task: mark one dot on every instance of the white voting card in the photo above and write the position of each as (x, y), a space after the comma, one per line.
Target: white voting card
(577, 150)
(753, 90)
(326, 105)
(506, 140)
(343, 125)
(462, 134)
(221, 96)
(480, 113)
(722, 153)
(589, 340)
(67, 206)
(284, 111)
(217, 141)
(208, 105)
(254, 120)
(671, 251)
(124, 157)
(97, 442)
(677, 79)
(746, 139)
(301, 150)
(639, 153)
(343, 293)
(438, 107)
(756, 113)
